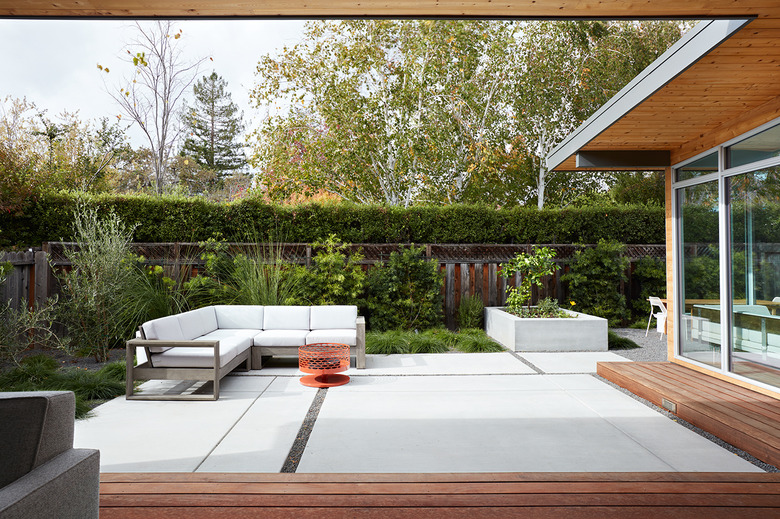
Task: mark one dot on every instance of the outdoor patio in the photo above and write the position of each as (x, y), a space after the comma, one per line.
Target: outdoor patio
(489, 412)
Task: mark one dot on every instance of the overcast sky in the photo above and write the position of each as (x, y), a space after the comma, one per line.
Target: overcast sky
(53, 63)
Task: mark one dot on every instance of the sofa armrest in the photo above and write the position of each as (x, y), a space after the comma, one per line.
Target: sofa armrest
(66, 487)
(360, 342)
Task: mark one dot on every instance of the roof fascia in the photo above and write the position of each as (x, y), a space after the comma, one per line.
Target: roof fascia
(694, 45)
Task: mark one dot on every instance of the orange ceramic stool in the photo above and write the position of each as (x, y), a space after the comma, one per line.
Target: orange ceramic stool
(323, 360)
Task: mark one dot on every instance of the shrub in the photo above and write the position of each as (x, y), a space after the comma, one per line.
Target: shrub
(532, 268)
(173, 218)
(475, 341)
(650, 276)
(471, 312)
(405, 293)
(335, 276)
(433, 340)
(593, 279)
(42, 373)
(102, 271)
(23, 327)
(616, 342)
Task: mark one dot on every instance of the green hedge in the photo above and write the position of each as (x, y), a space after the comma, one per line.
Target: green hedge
(172, 218)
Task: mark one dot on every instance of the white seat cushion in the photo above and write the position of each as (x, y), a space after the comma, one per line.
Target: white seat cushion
(239, 316)
(198, 322)
(286, 318)
(333, 317)
(339, 335)
(185, 357)
(218, 335)
(281, 338)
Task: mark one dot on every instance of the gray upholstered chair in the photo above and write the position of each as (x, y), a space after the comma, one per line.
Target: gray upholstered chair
(42, 475)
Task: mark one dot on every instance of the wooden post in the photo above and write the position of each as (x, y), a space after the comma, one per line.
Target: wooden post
(449, 304)
(465, 280)
(479, 269)
(492, 270)
(42, 275)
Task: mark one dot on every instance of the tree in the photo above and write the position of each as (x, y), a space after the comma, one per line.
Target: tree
(408, 111)
(568, 70)
(151, 95)
(213, 124)
(383, 111)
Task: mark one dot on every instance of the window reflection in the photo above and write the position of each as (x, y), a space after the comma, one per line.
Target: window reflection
(700, 167)
(755, 264)
(700, 332)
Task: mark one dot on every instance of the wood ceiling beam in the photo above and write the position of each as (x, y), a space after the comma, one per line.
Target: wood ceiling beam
(696, 9)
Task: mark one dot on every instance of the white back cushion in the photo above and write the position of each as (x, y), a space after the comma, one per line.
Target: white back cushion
(286, 318)
(239, 316)
(198, 322)
(333, 317)
(167, 329)
(164, 329)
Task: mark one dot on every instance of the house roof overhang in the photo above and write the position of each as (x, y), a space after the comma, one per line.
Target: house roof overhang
(720, 80)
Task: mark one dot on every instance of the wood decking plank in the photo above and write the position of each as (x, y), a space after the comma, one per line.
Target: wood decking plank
(468, 496)
(628, 512)
(746, 419)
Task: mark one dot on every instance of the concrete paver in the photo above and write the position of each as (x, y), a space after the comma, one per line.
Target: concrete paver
(406, 413)
(571, 362)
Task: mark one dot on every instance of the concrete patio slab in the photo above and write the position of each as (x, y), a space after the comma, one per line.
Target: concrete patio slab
(571, 362)
(505, 430)
(450, 418)
(261, 440)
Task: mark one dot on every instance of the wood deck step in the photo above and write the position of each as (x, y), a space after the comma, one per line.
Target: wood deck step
(746, 419)
(535, 495)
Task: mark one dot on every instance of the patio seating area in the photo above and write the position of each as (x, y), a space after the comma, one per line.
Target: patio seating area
(450, 413)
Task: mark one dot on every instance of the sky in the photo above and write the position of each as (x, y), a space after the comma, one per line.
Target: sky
(53, 63)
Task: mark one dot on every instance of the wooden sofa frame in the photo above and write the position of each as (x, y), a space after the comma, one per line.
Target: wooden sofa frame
(147, 371)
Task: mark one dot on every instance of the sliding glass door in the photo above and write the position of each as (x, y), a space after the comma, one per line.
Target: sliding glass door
(754, 201)
(698, 210)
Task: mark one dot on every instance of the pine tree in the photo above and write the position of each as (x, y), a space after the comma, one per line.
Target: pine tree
(213, 125)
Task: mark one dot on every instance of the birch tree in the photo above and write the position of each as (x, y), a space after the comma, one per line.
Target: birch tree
(151, 94)
(382, 111)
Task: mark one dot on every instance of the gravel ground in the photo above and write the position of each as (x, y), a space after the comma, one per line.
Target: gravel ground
(653, 347)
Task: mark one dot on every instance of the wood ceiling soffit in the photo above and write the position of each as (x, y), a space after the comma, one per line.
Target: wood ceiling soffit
(414, 8)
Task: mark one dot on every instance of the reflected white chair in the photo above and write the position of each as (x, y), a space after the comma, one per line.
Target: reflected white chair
(660, 316)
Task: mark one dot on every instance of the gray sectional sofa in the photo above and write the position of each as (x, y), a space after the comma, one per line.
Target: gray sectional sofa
(210, 342)
(41, 474)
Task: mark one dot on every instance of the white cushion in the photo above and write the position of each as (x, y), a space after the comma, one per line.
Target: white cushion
(281, 338)
(185, 357)
(332, 317)
(286, 318)
(198, 322)
(164, 329)
(338, 335)
(239, 316)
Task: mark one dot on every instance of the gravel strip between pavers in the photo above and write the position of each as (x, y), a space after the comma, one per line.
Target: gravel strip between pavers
(299, 445)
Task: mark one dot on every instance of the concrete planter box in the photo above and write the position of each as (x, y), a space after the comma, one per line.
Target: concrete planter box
(585, 333)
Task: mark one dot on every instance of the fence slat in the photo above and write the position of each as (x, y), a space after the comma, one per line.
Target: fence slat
(492, 270)
(449, 303)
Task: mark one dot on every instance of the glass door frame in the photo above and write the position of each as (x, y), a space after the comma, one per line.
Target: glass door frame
(724, 254)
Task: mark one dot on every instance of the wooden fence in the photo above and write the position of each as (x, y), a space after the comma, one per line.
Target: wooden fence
(469, 269)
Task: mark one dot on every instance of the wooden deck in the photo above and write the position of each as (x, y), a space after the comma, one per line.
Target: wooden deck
(743, 418)
(472, 496)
